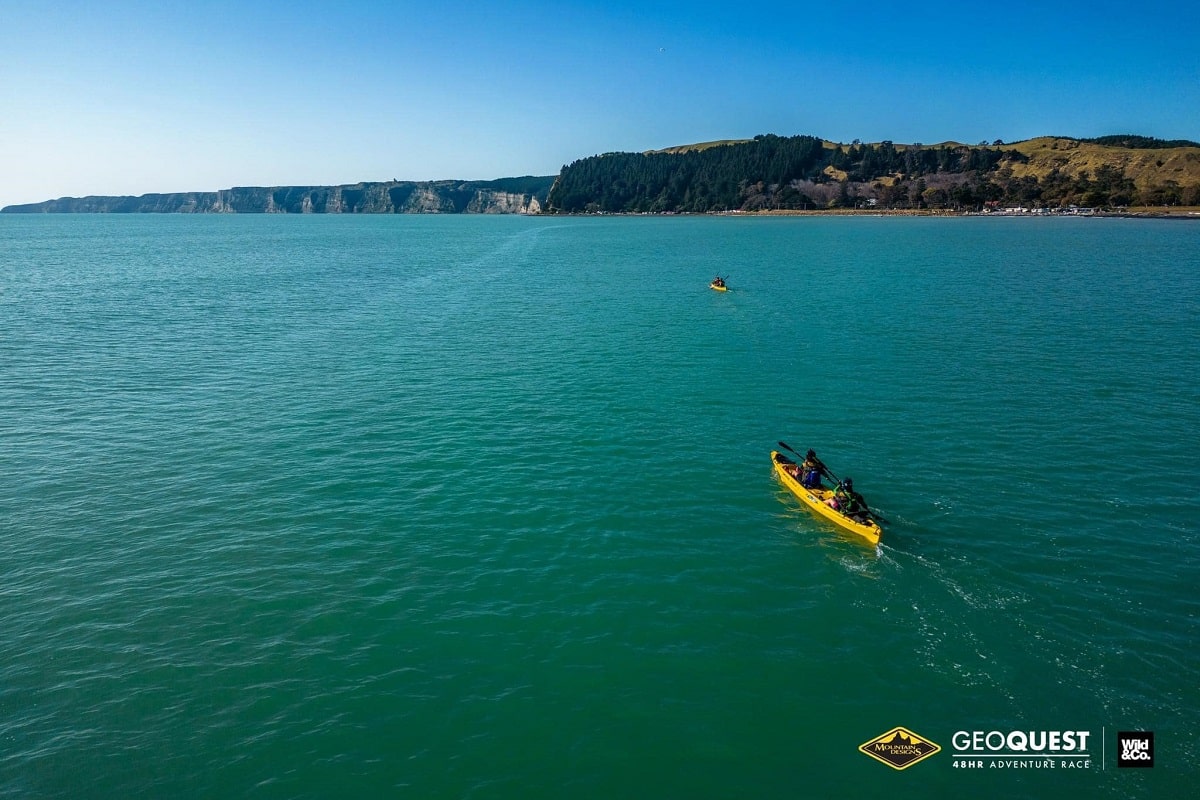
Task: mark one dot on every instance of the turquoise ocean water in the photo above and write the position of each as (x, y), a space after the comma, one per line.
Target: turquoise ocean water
(449, 507)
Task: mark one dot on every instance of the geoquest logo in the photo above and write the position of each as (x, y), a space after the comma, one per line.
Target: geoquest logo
(1029, 749)
(1021, 741)
(1135, 749)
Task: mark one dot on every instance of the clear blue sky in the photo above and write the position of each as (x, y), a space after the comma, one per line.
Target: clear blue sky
(126, 97)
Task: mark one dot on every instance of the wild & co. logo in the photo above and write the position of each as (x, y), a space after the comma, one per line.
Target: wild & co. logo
(899, 748)
(1135, 748)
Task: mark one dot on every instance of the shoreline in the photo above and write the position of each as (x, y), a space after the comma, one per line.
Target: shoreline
(1176, 213)
(1187, 212)
(1183, 213)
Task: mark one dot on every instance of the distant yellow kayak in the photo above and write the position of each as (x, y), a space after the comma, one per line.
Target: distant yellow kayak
(815, 500)
(720, 287)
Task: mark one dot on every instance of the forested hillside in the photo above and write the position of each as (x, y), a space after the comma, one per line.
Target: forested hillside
(803, 172)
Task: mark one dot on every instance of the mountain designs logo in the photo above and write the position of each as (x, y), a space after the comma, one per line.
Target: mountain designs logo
(899, 748)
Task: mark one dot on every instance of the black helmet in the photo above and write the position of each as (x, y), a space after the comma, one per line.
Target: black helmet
(848, 483)
(810, 454)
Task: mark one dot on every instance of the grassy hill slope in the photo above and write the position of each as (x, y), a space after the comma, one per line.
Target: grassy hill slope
(1146, 167)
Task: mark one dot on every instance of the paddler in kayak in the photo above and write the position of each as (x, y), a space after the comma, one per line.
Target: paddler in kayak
(718, 281)
(811, 471)
(850, 502)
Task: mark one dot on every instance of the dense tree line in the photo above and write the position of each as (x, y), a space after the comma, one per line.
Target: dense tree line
(769, 172)
(1140, 142)
(802, 172)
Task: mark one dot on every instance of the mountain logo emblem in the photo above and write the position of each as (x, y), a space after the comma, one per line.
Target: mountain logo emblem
(899, 748)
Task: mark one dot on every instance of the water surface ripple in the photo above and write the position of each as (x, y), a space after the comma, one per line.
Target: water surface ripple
(481, 507)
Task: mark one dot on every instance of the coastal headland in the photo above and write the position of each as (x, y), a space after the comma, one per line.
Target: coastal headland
(797, 175)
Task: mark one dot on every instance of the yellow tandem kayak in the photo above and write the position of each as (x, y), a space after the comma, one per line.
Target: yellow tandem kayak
(815, 500)
(720, 287)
